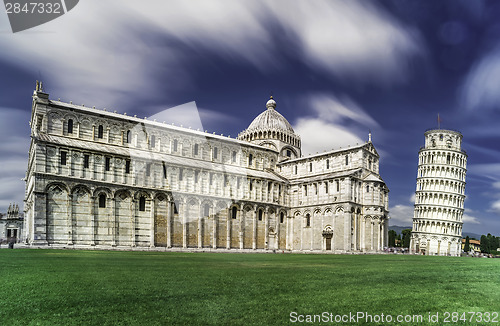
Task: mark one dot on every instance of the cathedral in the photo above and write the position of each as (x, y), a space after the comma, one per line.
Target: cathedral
(108, 180)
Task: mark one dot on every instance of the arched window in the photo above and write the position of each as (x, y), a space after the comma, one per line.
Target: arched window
(308, 220)
(367, 188)
(102, 201)
(260, 214)
(206, 210)
(70, 126)
(196, 149)
(347, 160)
(250, 160)
(127, 139)
(233, 159)
(327, 164)
(175, 145)
(234, 212)
(282, 217)
(142, 203)
(100, 132)
(215, 152)
(310, 167)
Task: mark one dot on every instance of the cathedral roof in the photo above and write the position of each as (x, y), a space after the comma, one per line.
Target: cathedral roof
(270, 119)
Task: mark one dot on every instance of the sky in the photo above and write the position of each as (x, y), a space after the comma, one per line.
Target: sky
(337, 70)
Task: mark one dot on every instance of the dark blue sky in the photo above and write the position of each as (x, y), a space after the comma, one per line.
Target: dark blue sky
(336, 69)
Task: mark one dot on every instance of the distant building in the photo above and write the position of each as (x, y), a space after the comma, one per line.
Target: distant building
(475, 245)
(11, 225)
(97, 178)
(440, 194)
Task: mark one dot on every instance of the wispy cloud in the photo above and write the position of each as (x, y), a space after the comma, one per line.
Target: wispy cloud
(480, 90)
(335, 123)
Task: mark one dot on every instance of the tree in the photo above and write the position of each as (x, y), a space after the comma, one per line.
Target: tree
(406, 235)
(392, 238)
(467, 244)
(484, 244)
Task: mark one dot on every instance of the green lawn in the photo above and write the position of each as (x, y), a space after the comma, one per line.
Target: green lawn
(66, 287)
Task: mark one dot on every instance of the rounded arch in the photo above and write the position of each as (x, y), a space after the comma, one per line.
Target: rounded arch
(57, 183)
(99, 190)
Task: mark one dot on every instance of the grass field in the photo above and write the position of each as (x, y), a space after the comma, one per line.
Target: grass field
(65, 287)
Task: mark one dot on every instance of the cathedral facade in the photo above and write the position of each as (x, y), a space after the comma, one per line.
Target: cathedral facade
(103, 179)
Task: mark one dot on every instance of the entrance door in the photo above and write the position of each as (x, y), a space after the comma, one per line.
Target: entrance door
(328, 243)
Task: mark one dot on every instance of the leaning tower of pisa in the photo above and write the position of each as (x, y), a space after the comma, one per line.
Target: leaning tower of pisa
(440, 194)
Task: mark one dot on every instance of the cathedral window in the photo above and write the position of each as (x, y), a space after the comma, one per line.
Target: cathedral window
(102, 201)
(63, 157)
(127, 166)
(250, 160)
(196, 148)
(338, 185)
(326, 187)
(180, 174)
(215, 153)
(295, 169)
(233, 158)
(234, 211)
(308, 220)
(127, 138)
(327, 164)
(107, 163)
(315, 188)
(148, 169)
(367, 188)
(206, 210)
(175, 145)
(142, 204)
(288, 153)
(211, 178)
(260, 214)
(153, 141)
(448, 159)
(347, 160)
(70, 126)
(100, 132)
(305, 190)
(310, 167)
(86, 159)
(251, 183)
(196, 173)
(282, 217)
(164, 170)
(238, 183)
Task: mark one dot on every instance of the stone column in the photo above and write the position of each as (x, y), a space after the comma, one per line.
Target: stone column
(153, 226)
(372, 236)
(169, 223)
(266, 228)
(200, 217)
(184, 210)
(254, 243)
(92, 220)
(133, 212)
(113, 214)
(214, 233)
(78, 130)
(240, 217)
(93, 132)
(363, 234)
(70, 219)
(228, 227)
(355, 227)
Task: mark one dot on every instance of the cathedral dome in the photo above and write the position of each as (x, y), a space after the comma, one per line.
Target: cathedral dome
(270, 120)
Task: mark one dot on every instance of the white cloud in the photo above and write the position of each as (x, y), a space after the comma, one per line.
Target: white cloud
(480, 89)
(336, 123)
(412, 198)
(401, 215)
(117, 51)
(351, 39)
